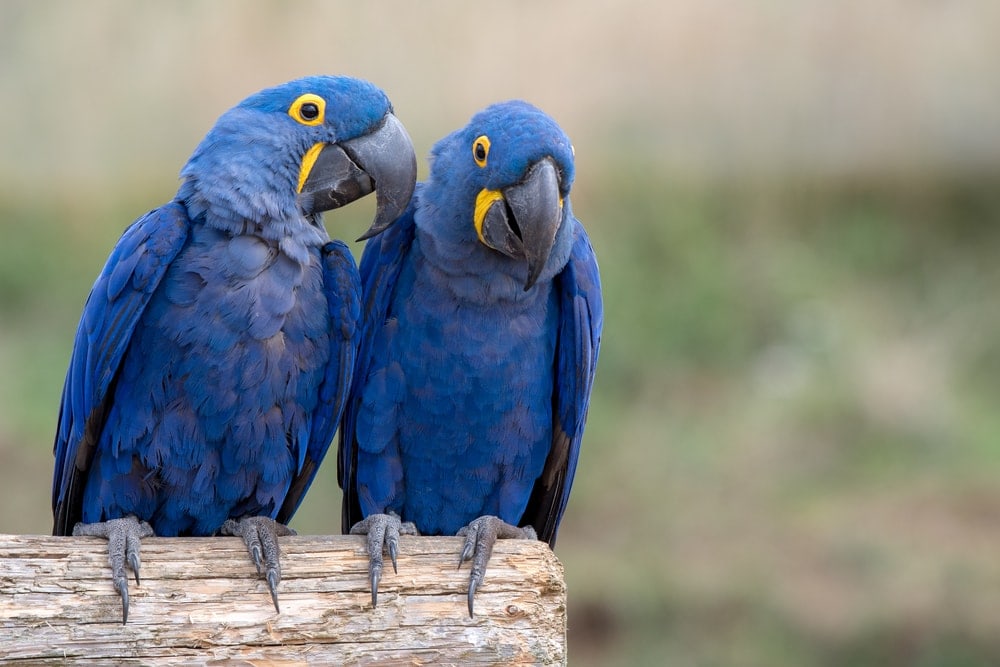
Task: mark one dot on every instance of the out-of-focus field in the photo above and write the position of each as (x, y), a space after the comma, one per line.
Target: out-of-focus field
(793, 455)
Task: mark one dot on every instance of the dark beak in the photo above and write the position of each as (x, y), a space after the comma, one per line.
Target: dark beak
(524, 222)
(382, 161)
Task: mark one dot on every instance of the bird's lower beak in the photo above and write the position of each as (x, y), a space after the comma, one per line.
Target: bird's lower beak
(522, 220)
(382, 161)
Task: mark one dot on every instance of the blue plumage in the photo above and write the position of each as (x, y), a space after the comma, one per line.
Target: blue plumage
(480, 338)
(216, 348)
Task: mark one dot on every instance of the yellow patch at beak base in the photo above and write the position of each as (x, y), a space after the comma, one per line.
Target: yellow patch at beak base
(308, 160)
(484, 200)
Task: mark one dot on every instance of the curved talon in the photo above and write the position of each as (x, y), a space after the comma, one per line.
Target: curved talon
(123, 592)
(256, 555)
(272, 584)
(393, 546)
(383, 531)
(466, 553)
(124, 538)
(476, 577)
(260, 535)
(480, 536)
(133, 562)
(473, 585)
(374, 577)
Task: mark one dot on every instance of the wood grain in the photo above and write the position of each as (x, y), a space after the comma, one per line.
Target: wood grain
(201, 602)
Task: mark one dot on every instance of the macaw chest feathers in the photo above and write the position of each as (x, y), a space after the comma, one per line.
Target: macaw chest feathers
(248, 285)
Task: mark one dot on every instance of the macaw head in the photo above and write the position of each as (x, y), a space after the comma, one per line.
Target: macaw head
(506, 177)
(289, 152)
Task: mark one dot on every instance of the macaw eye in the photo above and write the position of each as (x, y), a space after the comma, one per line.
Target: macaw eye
(308, 109)
(480, 150)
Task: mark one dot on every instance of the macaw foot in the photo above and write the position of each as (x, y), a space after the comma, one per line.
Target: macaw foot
(123, 536)
(480, 536)
(383, 531)
(260, 534)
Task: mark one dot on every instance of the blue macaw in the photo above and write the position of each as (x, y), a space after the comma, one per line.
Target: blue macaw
(482, 320)
(215, 351)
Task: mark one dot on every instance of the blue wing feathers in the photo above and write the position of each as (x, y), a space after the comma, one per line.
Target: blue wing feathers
(580, 323)
(342, 286)
(381, 262)
(582, 320)
(113, 308)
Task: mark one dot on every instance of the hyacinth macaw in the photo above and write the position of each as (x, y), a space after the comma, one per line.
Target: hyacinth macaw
(482, 320)
(216, 348)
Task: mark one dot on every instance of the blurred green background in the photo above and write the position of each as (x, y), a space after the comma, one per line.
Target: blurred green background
(793, 455)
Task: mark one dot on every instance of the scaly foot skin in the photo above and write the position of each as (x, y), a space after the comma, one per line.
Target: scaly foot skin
(383, 531)
(124, 537)
(260, 534)
(480, 536)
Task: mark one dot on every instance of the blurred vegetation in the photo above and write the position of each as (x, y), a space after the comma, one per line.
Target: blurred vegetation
(793, 455)
(801, 457)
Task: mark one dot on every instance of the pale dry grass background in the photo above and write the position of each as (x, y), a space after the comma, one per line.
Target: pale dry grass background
(793, 456)
(122, 88)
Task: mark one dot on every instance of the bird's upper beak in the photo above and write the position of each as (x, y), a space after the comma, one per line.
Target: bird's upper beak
(382, 161)
(521, 221)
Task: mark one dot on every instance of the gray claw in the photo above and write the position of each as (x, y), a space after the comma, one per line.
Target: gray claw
(256, 556)
(466, 551)
(383, 531)
(480, 536)
(124, 537)
(473, 585)
(374, 577)
(393, 545)
(121, 585)
(260, 535)
(273, 577)
(133, 562)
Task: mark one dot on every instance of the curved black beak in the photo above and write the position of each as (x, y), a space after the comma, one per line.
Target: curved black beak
(523, 219)
(382, 161)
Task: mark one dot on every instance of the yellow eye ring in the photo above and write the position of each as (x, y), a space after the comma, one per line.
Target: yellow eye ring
(308, 109)
(481, 150)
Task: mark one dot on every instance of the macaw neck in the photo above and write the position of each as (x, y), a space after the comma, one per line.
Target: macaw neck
(237, 214)
(466, 268)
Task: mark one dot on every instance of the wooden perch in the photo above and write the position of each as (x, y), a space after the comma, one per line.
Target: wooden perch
(201, 602)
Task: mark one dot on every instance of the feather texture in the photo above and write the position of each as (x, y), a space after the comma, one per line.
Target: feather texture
(215, 351)
(471, 392)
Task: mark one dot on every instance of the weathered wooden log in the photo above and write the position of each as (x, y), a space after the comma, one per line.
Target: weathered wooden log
(201, 601)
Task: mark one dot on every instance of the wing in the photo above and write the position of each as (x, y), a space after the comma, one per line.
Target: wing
(116, 302)
(380, 265)
(343, 296)
(581, 317)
